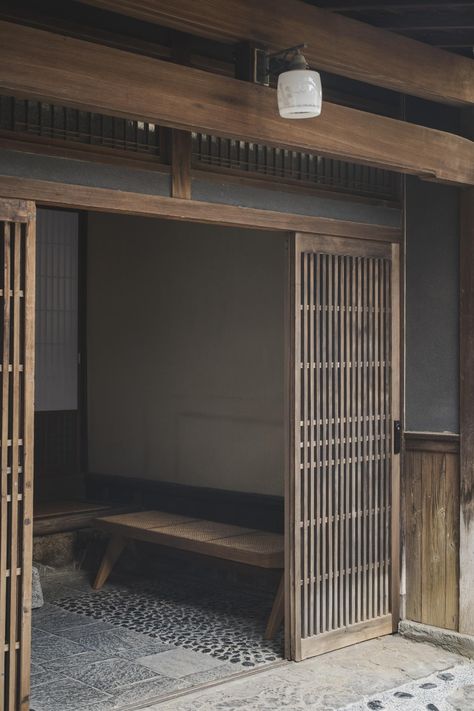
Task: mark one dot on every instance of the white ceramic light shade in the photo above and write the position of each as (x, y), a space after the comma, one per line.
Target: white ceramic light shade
(299, 94)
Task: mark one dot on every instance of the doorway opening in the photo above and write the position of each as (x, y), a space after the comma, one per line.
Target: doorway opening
(160, 379)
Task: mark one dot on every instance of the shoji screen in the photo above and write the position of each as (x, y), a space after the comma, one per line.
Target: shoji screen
(56, 391)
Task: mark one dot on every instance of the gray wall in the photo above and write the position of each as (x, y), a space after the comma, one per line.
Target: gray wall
(185, 353)
(432, 307)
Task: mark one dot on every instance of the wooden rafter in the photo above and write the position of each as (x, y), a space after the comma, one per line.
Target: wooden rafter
(54, 68)
(335, 43)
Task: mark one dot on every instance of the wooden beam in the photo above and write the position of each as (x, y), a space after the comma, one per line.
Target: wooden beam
(64, 70)
(358, 6)
(117, 201)
(336, 43)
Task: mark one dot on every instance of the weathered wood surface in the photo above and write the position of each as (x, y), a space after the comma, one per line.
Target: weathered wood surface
(118, 201)
(346, 475)
(17, 293)
(336, 44)
(432, 531)
(466, 553)
(61, 69)
(181, 164)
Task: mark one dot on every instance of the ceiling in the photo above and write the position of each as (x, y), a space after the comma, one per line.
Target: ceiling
(448, 24)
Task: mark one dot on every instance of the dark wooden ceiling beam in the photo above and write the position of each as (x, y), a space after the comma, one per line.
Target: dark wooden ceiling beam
(356, 5)
(68, 71)
(336, 44)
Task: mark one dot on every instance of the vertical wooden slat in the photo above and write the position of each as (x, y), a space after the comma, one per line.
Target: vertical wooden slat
(322, 469)
(312, 438)
(14, 486)
(319, 447)
(353, 432)
(305, 474)
(28, 447)
(394, 284)
(329, 473)
(4, 460)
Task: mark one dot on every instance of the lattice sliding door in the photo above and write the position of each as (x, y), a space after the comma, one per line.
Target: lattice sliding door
(17, 293)
(344, 486)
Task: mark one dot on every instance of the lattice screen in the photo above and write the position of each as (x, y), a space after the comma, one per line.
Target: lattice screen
(293, 166)
(51, 121)
(343, 441)
(17, 236)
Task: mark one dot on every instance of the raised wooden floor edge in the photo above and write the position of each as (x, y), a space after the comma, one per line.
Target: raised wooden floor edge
(117, 201)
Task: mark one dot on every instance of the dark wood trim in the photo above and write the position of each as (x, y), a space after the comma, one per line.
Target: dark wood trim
(82, 344)
(117, 201)
(66, 149)
(46, 66)
(466, 552)
(240, 508)
(72, 521)
(29, 143)
(335, 43)
(441, 442)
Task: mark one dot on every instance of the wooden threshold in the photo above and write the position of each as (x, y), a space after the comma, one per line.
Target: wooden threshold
(80, 197)
(345, 637)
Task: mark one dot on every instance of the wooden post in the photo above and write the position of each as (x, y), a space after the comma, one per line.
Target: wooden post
(466, 533)
(181, 164)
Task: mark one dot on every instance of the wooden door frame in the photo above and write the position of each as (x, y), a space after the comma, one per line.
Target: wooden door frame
(65, 195)
(397, 394)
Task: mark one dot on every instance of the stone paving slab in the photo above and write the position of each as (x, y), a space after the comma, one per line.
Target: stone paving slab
(360, 675)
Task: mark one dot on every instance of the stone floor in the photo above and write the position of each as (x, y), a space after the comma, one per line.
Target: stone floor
(140, 645)
(388, 673)
(135, 642)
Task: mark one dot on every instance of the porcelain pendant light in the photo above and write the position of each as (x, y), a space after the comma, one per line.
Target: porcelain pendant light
(299, 91)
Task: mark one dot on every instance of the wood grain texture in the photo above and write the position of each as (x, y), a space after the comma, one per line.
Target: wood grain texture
(466, 553)
(219, 540)
(17, 293)
(181, 164)
(337, 44)
(432, 534)
(345, 492)
(72, 72)
(118, 201)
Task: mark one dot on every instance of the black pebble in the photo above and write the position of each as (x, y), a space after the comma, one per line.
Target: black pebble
(375, 705)
(428, 685)
(446, 676)
(403, 695)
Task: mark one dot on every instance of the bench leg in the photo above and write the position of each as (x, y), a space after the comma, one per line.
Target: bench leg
(112, 553)
(278, 611)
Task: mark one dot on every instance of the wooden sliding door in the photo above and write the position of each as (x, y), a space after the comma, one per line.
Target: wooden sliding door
(343, 493)
(17, 293)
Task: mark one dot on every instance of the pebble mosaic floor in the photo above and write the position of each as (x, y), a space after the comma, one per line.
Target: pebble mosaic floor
(136, 641)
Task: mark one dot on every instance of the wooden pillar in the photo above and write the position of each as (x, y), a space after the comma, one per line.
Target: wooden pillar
(181, 164)
(466, 532)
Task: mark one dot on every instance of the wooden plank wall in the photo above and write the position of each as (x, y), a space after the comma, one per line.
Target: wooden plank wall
(431, 473)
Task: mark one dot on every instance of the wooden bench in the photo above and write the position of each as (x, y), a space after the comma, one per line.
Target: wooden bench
(220, 540)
